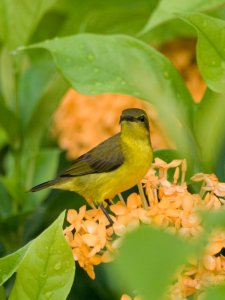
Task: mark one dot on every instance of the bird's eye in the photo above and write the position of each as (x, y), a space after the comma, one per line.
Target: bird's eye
(141, 118)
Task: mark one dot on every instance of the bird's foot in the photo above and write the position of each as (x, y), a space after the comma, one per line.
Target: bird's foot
(107, 215)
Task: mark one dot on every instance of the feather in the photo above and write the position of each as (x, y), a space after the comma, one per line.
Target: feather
(107, 156)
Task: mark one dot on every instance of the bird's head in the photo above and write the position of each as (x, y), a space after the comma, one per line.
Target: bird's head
(134, 121)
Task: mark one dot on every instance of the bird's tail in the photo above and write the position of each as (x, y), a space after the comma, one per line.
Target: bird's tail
(44, 185)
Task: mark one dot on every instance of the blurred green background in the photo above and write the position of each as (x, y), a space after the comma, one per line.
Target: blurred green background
(31, 88)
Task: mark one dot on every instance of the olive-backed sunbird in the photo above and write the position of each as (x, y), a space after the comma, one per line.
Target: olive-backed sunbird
(113, 166)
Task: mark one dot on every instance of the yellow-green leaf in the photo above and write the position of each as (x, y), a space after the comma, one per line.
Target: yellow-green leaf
(47, 271)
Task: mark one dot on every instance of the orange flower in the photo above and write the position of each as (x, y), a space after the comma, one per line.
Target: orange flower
(211, 183)
(169, 205)
(87, 236)
(128, 216)
(75, 218)
(212, 190)
(78, 114)
(163, 166)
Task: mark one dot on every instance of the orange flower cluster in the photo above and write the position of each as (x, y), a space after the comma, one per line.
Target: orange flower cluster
(210, 269)
(81, 122)
(168, 204)
(88, 236)
(198, 275)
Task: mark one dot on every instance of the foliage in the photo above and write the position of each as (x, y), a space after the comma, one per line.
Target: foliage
(95, 48)
(48, 264)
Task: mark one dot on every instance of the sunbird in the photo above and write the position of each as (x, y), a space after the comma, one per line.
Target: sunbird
(113, 166)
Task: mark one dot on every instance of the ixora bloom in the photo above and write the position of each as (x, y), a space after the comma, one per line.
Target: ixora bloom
(73, 121)
(164, 201)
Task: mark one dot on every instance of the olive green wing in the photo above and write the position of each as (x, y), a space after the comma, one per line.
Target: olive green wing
(105, 157)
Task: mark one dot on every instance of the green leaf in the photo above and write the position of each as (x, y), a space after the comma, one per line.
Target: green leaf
(5, 202)
(47, 270)
(7, 78)
(210, 48)
(117, 16)
(19, 19)
(167, 10)
(2, 21)
(96, 64)
(148, 260)
(2, 293)
(166, 32)
(43, 112)
(220, 162)
(217, 292)
(9, 122)
(167, 154)
(13, 188)
(36, 170)
(32, 85)
(213, 219)
(9, 264)
(209, 128)
(80, 58)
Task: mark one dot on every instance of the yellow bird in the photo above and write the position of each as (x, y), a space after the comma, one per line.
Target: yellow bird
(113, 166)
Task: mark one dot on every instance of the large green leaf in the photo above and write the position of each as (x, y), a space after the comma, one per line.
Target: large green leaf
(2, 21)
(209, 128)
(166, 10)
(20, 18)
(9, 264)
(148, 260)
(96, 64)
(220, 163)
(166, 32)
(47, 271)
(217, 293)
(117, 16)
(210, 48)
(2, 293)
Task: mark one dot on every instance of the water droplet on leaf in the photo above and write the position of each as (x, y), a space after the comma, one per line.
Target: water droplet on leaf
(48, 295)
(166, 75)
(43, 274)
(213, 63)
(58, 266)
(205, 24)
(62, 283)
(90, 57)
